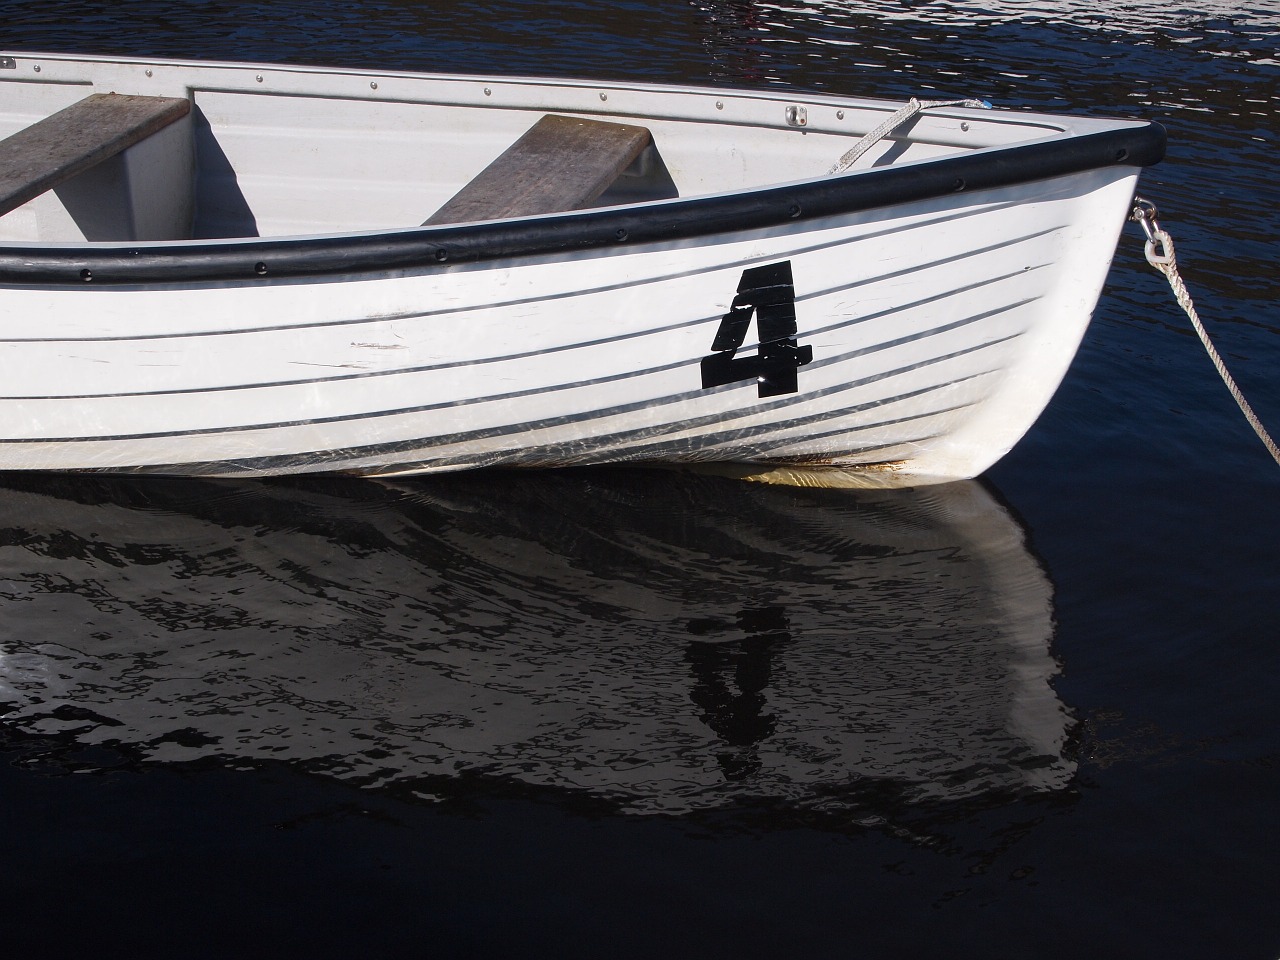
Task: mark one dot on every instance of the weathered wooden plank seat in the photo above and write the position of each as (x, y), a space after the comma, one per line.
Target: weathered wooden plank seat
(71, 141)
(561, 163)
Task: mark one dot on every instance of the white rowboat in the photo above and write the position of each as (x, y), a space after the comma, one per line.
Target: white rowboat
(222, 269)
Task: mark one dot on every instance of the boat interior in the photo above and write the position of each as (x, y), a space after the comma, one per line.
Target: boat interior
(126, 150)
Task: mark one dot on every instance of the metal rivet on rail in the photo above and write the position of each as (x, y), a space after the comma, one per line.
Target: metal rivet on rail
(958, 185)
(149, 73)
(604, 96)
(258, 78)
(86, 275)
(442, 254)
(719, 104)
(373, 84)
(1122, 155)
(839, 114)
(36, 68)
(620, 233)
(488, 92)
(260, 268)
(794, 210)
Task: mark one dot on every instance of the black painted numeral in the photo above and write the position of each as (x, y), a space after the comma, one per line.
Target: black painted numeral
(769, 294)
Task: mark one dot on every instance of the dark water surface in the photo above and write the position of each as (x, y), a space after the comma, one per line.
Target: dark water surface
(631, 713)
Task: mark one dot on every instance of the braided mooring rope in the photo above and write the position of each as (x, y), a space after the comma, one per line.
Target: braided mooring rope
(1160, 254)
(892, 123)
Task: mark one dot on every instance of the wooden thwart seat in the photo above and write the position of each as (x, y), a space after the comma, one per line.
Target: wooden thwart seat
(73, 140)
(561, 163)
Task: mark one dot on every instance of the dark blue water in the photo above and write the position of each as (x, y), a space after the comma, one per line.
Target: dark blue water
(639, 714)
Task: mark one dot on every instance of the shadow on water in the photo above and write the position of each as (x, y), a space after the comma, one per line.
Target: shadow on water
(619, 641)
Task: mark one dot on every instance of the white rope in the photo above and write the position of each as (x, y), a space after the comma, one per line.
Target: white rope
(895, 121)
(1159, 240)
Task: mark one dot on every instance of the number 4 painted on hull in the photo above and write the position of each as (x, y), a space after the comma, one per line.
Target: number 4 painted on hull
(769, 294)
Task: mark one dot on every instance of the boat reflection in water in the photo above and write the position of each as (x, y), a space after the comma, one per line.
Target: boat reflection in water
(647, 641)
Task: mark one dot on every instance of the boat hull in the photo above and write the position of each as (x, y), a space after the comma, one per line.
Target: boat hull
(915, 321)
(938, 333)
